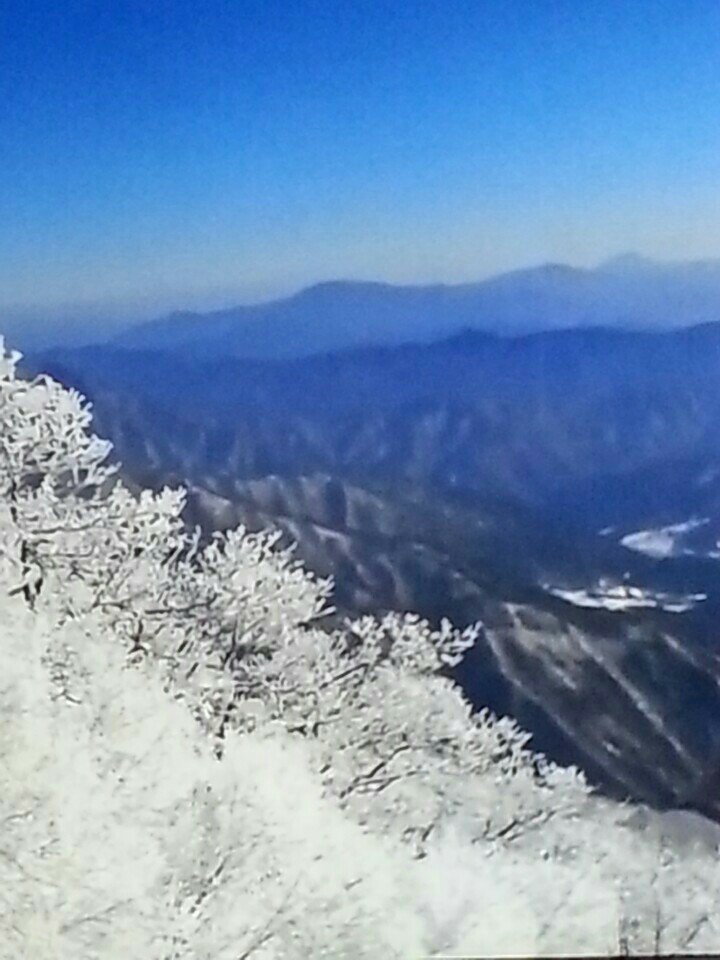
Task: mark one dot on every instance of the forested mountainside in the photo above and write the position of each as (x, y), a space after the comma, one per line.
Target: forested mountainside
(521, 417)
(195, 766)
(480, 478)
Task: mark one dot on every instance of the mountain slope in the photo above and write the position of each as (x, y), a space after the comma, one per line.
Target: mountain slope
(524, 418)
(472, 478)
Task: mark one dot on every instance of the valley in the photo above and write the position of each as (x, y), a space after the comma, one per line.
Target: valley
(524, 483)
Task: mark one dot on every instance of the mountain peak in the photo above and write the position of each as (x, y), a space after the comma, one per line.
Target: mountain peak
(564, 269)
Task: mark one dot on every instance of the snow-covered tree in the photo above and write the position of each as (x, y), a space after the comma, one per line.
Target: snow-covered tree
(124, 836)
(237, 627)
(193, 765)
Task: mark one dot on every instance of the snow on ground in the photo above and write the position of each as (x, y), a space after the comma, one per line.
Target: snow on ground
(666, 542)
(625, 597)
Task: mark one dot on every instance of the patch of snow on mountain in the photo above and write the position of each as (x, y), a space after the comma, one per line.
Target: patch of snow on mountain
(626, 597)
(664, 541)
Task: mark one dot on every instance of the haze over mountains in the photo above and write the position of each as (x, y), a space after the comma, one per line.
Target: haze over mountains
(627, 291)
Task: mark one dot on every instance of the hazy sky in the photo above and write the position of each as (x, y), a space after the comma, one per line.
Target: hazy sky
(176, 150)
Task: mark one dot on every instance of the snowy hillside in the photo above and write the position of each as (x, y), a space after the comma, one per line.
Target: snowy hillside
(189, 757)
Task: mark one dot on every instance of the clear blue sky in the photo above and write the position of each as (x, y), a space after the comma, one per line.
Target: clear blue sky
(166, 150)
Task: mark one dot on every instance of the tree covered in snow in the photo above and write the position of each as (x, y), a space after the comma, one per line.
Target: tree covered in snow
(237, 627)
(124, 836)
(195, 765)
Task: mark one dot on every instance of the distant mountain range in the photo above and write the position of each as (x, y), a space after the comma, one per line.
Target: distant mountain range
(479, 477)
(627, 291)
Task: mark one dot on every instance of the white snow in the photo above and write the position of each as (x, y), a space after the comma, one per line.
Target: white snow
(626, 597)
(665, 542)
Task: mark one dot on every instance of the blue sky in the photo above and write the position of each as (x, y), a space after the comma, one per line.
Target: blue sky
(184, 151)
